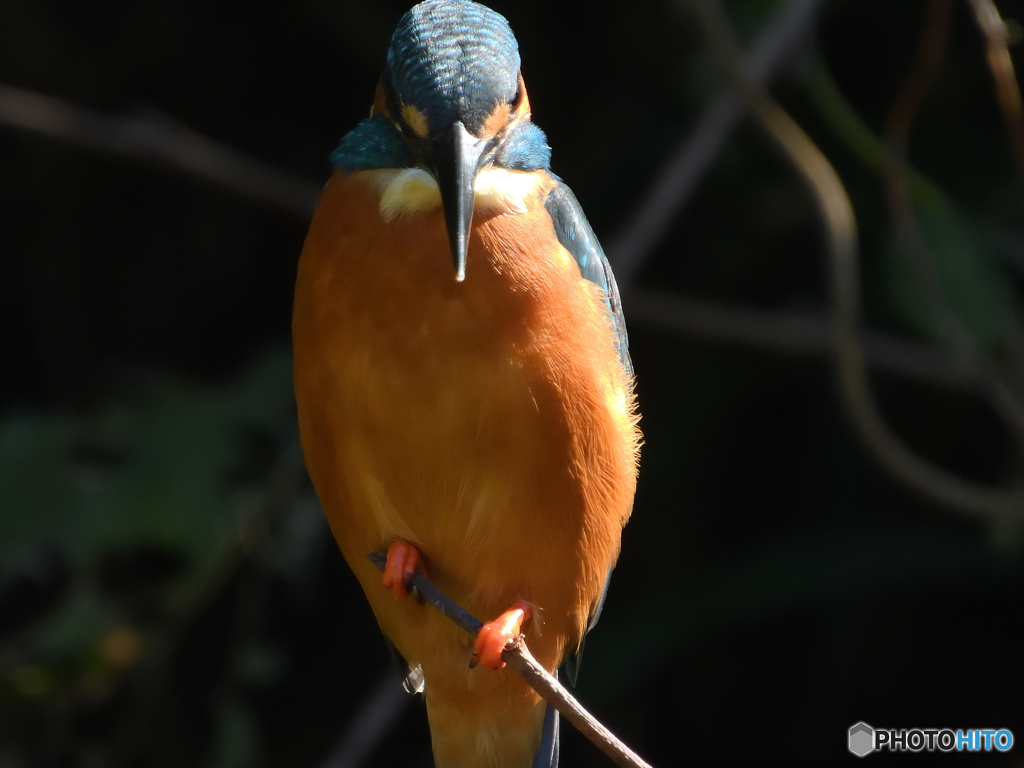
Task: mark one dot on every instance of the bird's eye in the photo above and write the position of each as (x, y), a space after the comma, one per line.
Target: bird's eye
(518, 99)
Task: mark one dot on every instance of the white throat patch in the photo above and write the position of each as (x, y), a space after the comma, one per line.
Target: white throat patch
(409, 190)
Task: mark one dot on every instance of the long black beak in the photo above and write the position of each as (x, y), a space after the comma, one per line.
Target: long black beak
(457, 156)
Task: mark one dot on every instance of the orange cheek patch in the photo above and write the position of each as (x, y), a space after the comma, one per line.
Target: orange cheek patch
(497, 120)
(416, 120)
(524, 101)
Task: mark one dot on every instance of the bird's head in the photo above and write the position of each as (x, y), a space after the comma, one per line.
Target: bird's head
(453, 89)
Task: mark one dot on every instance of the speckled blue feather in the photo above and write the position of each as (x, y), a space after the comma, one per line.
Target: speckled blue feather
(577, 237)
(524, 149)
(374, 143)
(453, 59)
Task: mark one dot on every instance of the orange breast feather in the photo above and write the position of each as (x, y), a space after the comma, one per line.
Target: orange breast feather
(487, 422)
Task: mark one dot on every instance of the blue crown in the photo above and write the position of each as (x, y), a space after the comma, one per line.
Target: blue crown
(453, 60)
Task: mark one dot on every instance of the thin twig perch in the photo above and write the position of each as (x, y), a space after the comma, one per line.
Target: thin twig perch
(519, 658)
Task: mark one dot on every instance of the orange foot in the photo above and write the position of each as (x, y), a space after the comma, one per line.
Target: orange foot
(495, 635)
(403, 561)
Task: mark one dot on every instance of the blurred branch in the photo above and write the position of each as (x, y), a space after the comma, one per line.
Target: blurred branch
(858, 138)
(161, 141)
(795, 333)
(926, 197)
(518, 656)
(376, 717)
(157, 139)
(899, 123)
(997, 38)
(841, 239)
(690, 160)
(923, 70)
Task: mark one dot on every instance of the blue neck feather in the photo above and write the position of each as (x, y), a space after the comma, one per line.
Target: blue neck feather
(376, 143)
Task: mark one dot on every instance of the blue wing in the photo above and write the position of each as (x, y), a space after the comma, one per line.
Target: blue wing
(572, 664)
(576, 236)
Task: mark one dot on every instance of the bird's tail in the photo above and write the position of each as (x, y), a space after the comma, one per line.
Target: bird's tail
(547, 752)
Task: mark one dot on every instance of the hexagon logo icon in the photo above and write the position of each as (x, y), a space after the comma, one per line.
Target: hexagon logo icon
(862, 739)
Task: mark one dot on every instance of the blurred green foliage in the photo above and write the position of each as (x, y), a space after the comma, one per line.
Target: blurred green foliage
(161, 469)
(123, 524)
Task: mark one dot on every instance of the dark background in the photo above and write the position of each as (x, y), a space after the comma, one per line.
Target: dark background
(169, 595)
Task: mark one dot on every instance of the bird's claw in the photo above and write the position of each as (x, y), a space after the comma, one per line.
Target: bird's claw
(403, 561)
(497, 635)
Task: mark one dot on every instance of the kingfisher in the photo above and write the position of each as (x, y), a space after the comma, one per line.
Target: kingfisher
(464, 388)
